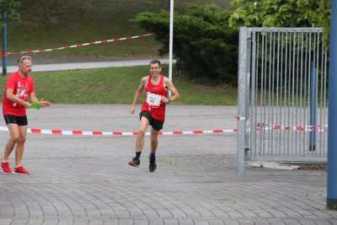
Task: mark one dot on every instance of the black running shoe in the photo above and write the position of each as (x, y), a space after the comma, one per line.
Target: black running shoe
(134, 162)
(152, 166)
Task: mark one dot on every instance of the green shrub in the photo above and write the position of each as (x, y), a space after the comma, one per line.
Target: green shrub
(204, 45)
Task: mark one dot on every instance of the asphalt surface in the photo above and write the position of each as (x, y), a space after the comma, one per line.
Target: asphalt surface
(86, 180)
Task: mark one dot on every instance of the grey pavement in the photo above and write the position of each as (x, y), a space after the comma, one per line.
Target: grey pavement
(86, 180)
(86, 65)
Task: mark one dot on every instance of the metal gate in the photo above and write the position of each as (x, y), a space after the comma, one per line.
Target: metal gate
(282, 112)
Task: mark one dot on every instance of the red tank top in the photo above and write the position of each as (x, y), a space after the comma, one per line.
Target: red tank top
(153, 103)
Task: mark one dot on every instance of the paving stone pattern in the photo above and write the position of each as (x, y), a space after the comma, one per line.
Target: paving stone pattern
(86, 180)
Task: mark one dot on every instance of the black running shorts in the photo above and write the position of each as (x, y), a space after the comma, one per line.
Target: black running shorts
(19, 120)
(155, 124)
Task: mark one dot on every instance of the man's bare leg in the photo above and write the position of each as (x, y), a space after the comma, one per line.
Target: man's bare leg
(12, 141)
(154, 146)
(144, 123)
(20, 146)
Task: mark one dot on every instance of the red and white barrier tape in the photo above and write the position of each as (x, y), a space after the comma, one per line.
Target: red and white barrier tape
(280, 127)
(60, 132)
(86, 44)
(298, 128)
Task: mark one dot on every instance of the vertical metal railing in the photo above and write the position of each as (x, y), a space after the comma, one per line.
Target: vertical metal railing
(283, 94)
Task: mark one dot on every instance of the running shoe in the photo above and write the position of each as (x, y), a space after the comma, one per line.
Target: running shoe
(21, 170)
(134, 162)
(152, 166)
(6, 168)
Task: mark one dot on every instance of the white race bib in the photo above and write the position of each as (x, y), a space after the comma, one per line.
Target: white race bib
(153, 99)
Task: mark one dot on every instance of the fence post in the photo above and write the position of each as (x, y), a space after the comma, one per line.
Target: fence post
(242, 101)
(332, 106)
(313, 108)
(4, 42)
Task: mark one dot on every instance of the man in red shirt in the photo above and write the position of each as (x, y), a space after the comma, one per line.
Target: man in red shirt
(156, 87)
(19, 94)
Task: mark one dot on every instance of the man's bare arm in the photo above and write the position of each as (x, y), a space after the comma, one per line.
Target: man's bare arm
(137, 95)
(11, 96)
(175, 93)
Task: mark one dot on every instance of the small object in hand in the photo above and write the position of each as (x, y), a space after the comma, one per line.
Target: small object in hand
(35, 105)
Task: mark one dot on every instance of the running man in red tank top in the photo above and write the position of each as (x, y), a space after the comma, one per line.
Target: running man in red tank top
(156, 87)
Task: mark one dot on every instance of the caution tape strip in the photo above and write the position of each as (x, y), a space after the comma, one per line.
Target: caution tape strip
(60, 132)
(299, 128)
(86, 44)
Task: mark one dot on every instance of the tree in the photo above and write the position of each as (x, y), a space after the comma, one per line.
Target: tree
(280, 13)
(11, 7)
(204, 46)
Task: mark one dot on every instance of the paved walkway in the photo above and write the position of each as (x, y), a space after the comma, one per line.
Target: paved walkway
(87, 181)
(86, 65)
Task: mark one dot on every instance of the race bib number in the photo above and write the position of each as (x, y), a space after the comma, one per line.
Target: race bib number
(153, 99)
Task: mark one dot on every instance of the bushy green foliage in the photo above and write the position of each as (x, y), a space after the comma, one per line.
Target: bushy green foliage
(206, 36)
(280, 13)
(10, 7)
(204, 45)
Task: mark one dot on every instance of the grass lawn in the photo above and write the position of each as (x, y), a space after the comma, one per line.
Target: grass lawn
(105, 19)
(117, 86)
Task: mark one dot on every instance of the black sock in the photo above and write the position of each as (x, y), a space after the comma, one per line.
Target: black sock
(137, 155)
(152, 157)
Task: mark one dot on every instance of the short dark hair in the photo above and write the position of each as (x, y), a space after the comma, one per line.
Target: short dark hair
(23, 58)
(155, 61)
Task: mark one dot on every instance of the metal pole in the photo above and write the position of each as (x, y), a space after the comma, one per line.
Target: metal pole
(332, 129)
(4, 42)
(247, 103)
(313, 107)
(171, 38)
(242, 107)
